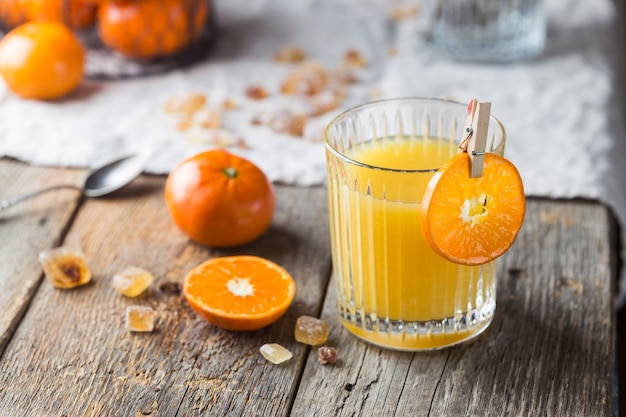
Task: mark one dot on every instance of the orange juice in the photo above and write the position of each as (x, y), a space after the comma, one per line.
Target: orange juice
(393, 289)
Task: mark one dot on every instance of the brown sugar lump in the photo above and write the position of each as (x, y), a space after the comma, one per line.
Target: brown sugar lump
(132, 281)
(64, 267)
(275, 353)
(311, 331)
(139, 319)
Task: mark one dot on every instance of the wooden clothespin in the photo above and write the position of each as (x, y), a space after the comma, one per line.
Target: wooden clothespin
(475, 140)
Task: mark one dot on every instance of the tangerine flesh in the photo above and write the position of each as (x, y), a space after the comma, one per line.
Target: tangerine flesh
(472, 221)
(239, 293)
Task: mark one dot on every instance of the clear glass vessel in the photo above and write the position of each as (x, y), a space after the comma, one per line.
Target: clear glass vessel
(392, 289)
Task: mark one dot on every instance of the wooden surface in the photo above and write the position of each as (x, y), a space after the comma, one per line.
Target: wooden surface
(550, 350)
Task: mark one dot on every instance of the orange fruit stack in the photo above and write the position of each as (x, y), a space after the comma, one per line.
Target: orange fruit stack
(239, 293)
(471, 221)
(138, 29)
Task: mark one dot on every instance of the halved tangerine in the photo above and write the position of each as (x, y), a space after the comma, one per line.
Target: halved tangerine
(239, 293)
(472, 221)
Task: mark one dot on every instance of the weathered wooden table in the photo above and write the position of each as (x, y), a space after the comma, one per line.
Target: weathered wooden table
(550, 350)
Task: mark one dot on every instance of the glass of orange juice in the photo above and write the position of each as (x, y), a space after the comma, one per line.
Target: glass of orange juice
(392, 289)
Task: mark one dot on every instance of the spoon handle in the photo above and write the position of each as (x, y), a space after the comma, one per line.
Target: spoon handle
(5, 204)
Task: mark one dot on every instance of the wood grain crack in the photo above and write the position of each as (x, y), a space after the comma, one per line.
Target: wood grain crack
(443, 369)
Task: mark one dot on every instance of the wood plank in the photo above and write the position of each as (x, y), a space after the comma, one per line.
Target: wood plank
(72, 356)
(549, 351)
(27, 229)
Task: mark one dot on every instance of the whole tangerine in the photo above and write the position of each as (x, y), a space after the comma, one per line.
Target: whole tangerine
(147, 29)
(41, 60)
(12, 13)
(76, 14)
(220, 199)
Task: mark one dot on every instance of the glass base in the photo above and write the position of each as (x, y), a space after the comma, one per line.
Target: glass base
(512, 33)
(418, 336)
(495, 52)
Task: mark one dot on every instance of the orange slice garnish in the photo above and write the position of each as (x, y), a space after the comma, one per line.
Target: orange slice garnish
(239, 292)
(472, 221)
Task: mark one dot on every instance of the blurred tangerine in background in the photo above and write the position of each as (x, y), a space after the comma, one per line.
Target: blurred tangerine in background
(12, 13)
(76, 14)
(148, 29)
(41, 60)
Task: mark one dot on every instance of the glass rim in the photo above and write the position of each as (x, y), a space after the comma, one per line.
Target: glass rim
(362, 106)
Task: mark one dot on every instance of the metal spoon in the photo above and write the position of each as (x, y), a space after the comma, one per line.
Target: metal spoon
(101, 181)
